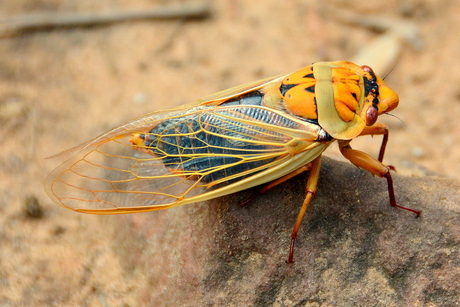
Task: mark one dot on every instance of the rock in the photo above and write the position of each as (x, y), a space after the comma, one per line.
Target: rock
(353, 248)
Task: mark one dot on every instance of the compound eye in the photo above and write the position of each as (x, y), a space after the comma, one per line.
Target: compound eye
(366, 68)
(371, 116)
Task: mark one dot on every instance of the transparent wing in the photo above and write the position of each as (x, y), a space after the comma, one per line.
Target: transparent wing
(192, 153)
(203, 153)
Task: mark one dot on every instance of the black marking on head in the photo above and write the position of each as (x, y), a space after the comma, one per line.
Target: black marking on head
(375, 103)
(371, 87)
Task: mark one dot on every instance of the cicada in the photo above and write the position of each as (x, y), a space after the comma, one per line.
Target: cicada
(259, 133)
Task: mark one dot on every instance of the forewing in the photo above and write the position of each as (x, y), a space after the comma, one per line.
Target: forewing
(244, 146)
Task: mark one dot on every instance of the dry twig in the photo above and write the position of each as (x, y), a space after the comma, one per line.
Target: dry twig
(45, 21)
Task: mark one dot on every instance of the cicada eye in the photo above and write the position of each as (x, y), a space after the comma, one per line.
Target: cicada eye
(371, 116)
(366, 68)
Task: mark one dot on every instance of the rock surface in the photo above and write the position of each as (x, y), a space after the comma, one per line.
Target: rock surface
(353, 248)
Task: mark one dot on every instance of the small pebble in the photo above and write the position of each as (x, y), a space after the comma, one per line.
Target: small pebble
(418, 152)
(33, 208)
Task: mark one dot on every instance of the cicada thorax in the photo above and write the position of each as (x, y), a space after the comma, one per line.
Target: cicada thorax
(341, 97)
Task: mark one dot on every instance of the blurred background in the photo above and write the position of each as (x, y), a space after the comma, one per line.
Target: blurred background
(62, 84)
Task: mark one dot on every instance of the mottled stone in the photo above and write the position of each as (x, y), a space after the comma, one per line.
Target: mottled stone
(353, 248)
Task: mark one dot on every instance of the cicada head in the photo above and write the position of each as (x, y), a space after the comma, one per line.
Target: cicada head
(379, 98)
(343, 97)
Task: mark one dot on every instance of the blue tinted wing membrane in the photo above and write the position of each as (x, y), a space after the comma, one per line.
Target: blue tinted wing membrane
(213, 145)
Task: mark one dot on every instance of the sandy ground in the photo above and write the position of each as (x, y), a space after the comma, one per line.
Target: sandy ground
(59, 88)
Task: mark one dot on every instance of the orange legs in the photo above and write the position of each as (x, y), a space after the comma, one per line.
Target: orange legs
(358, 158)
(314, 167)
(378, 129)
(312, 183)
(375, 167)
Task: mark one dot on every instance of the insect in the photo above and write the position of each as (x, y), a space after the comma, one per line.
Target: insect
(258, 133)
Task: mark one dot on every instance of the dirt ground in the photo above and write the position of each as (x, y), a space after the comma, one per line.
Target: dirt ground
(61, 87)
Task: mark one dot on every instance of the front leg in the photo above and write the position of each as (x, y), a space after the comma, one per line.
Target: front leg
(375, 167)
(378, 129)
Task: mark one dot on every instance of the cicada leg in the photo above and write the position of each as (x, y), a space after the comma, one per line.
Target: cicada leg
(312, 183)
(375, 167)
(314, 168)
(378, 129)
